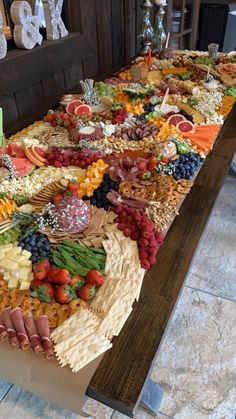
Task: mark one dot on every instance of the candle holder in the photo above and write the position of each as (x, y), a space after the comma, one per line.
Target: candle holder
(147, 33)
(159, 31)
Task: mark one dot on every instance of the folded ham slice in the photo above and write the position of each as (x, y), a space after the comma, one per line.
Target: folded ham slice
(33, 334)
(44, 332)
(3, 332)
(18, 322)
(7, 321)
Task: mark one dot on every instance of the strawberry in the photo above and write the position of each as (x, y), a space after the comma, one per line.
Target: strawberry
(58, 276)
(165, 160)
(43, 264)
(142, 165)
(151, 164)
(76, 282)
(35, 283)
(44, 292)
(64, 294)
(94, 278)
(40, 275)
(72, 187)
(87, 292)
(57, 197)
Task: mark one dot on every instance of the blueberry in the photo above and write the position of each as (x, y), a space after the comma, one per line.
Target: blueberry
(106, 177)
(99, 204)
(93, 201)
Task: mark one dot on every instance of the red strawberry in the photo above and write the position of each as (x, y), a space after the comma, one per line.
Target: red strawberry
(44, 292)
(142, 165)
(76, 282)
(165, 160)
(35, 283)
(40, 275)
(94, 278)
(58, 276)
(64, 294)
(87, 292)
(57, 197)
(43, 264)
(151, 164)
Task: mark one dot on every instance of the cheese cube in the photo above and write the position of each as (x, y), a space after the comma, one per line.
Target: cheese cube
(25, 285)
(26, 263)
(9, 265)
(6, 247)
(24, 274)
(7, 276)
(14, 253)
(2, 256)
(26, 254)
(13, 283)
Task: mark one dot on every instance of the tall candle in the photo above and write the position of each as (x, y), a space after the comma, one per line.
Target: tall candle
(1, 123)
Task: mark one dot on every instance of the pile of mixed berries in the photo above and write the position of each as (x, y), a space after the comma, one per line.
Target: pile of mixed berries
(72, 157)
(99, 197)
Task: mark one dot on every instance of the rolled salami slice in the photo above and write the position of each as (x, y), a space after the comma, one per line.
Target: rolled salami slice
(31, 328)
(7, 321)
(44, 332)
(18, 321)
(3, 332)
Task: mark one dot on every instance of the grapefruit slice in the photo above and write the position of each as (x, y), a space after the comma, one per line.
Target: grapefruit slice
(30, 155)
(39, 153)
(83, 110)
(175, 119)
(185, 126)
(70, 109)
(23, 166)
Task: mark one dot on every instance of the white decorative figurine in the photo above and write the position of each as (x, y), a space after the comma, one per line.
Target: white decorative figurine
(3, 41)
(26, 30)
(54, 23)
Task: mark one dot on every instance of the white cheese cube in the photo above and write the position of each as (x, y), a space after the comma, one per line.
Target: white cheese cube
(25, 285)
(7, 276)
(6, 247)
(24, 274)
(26, 263)
(26, 254)
(9, 265)
(13, 283)
(14, 252)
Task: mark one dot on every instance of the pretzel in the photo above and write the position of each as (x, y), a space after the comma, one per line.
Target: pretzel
(52, 310)
(3, 285)
(30, 304)
(4, 299)
(63, 313)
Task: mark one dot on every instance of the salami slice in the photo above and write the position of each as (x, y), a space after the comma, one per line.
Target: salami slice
(44, 332)
(7, 321)
(18, 322)
(33, 334)
(3, 332)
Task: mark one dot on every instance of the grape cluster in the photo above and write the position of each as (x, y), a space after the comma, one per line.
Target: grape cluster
(186, 166)
(10, 236)
(99, 198)
(36, 243)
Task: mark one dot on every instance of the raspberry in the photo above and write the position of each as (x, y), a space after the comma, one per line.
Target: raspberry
(152, 260)
(57, 163)
(121, 226)
(145, 264)
(143, 242)
(127, 232)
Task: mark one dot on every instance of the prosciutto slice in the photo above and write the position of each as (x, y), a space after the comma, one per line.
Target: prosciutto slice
(44, 332)
(33, 334)
(18, 322)
(7, 321)
(3, 332)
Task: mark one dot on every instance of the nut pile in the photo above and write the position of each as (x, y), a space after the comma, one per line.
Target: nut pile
(137, 132)
(161, 213)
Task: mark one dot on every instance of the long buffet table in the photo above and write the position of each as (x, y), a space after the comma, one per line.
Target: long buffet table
(117, 379)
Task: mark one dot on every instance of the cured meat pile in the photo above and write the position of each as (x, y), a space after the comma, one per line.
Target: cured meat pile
(25, 332)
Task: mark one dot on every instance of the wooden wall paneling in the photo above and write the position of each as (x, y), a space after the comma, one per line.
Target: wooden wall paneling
(118, 32)
(130, 28)
(72, 15)
(72, 77)
(103, 10)
(89, 30)
(194, 23)
(10, 114)
(30, 104)
(53, 88)
(138, 23)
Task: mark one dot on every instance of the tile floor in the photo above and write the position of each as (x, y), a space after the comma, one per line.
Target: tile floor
(196, 364)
